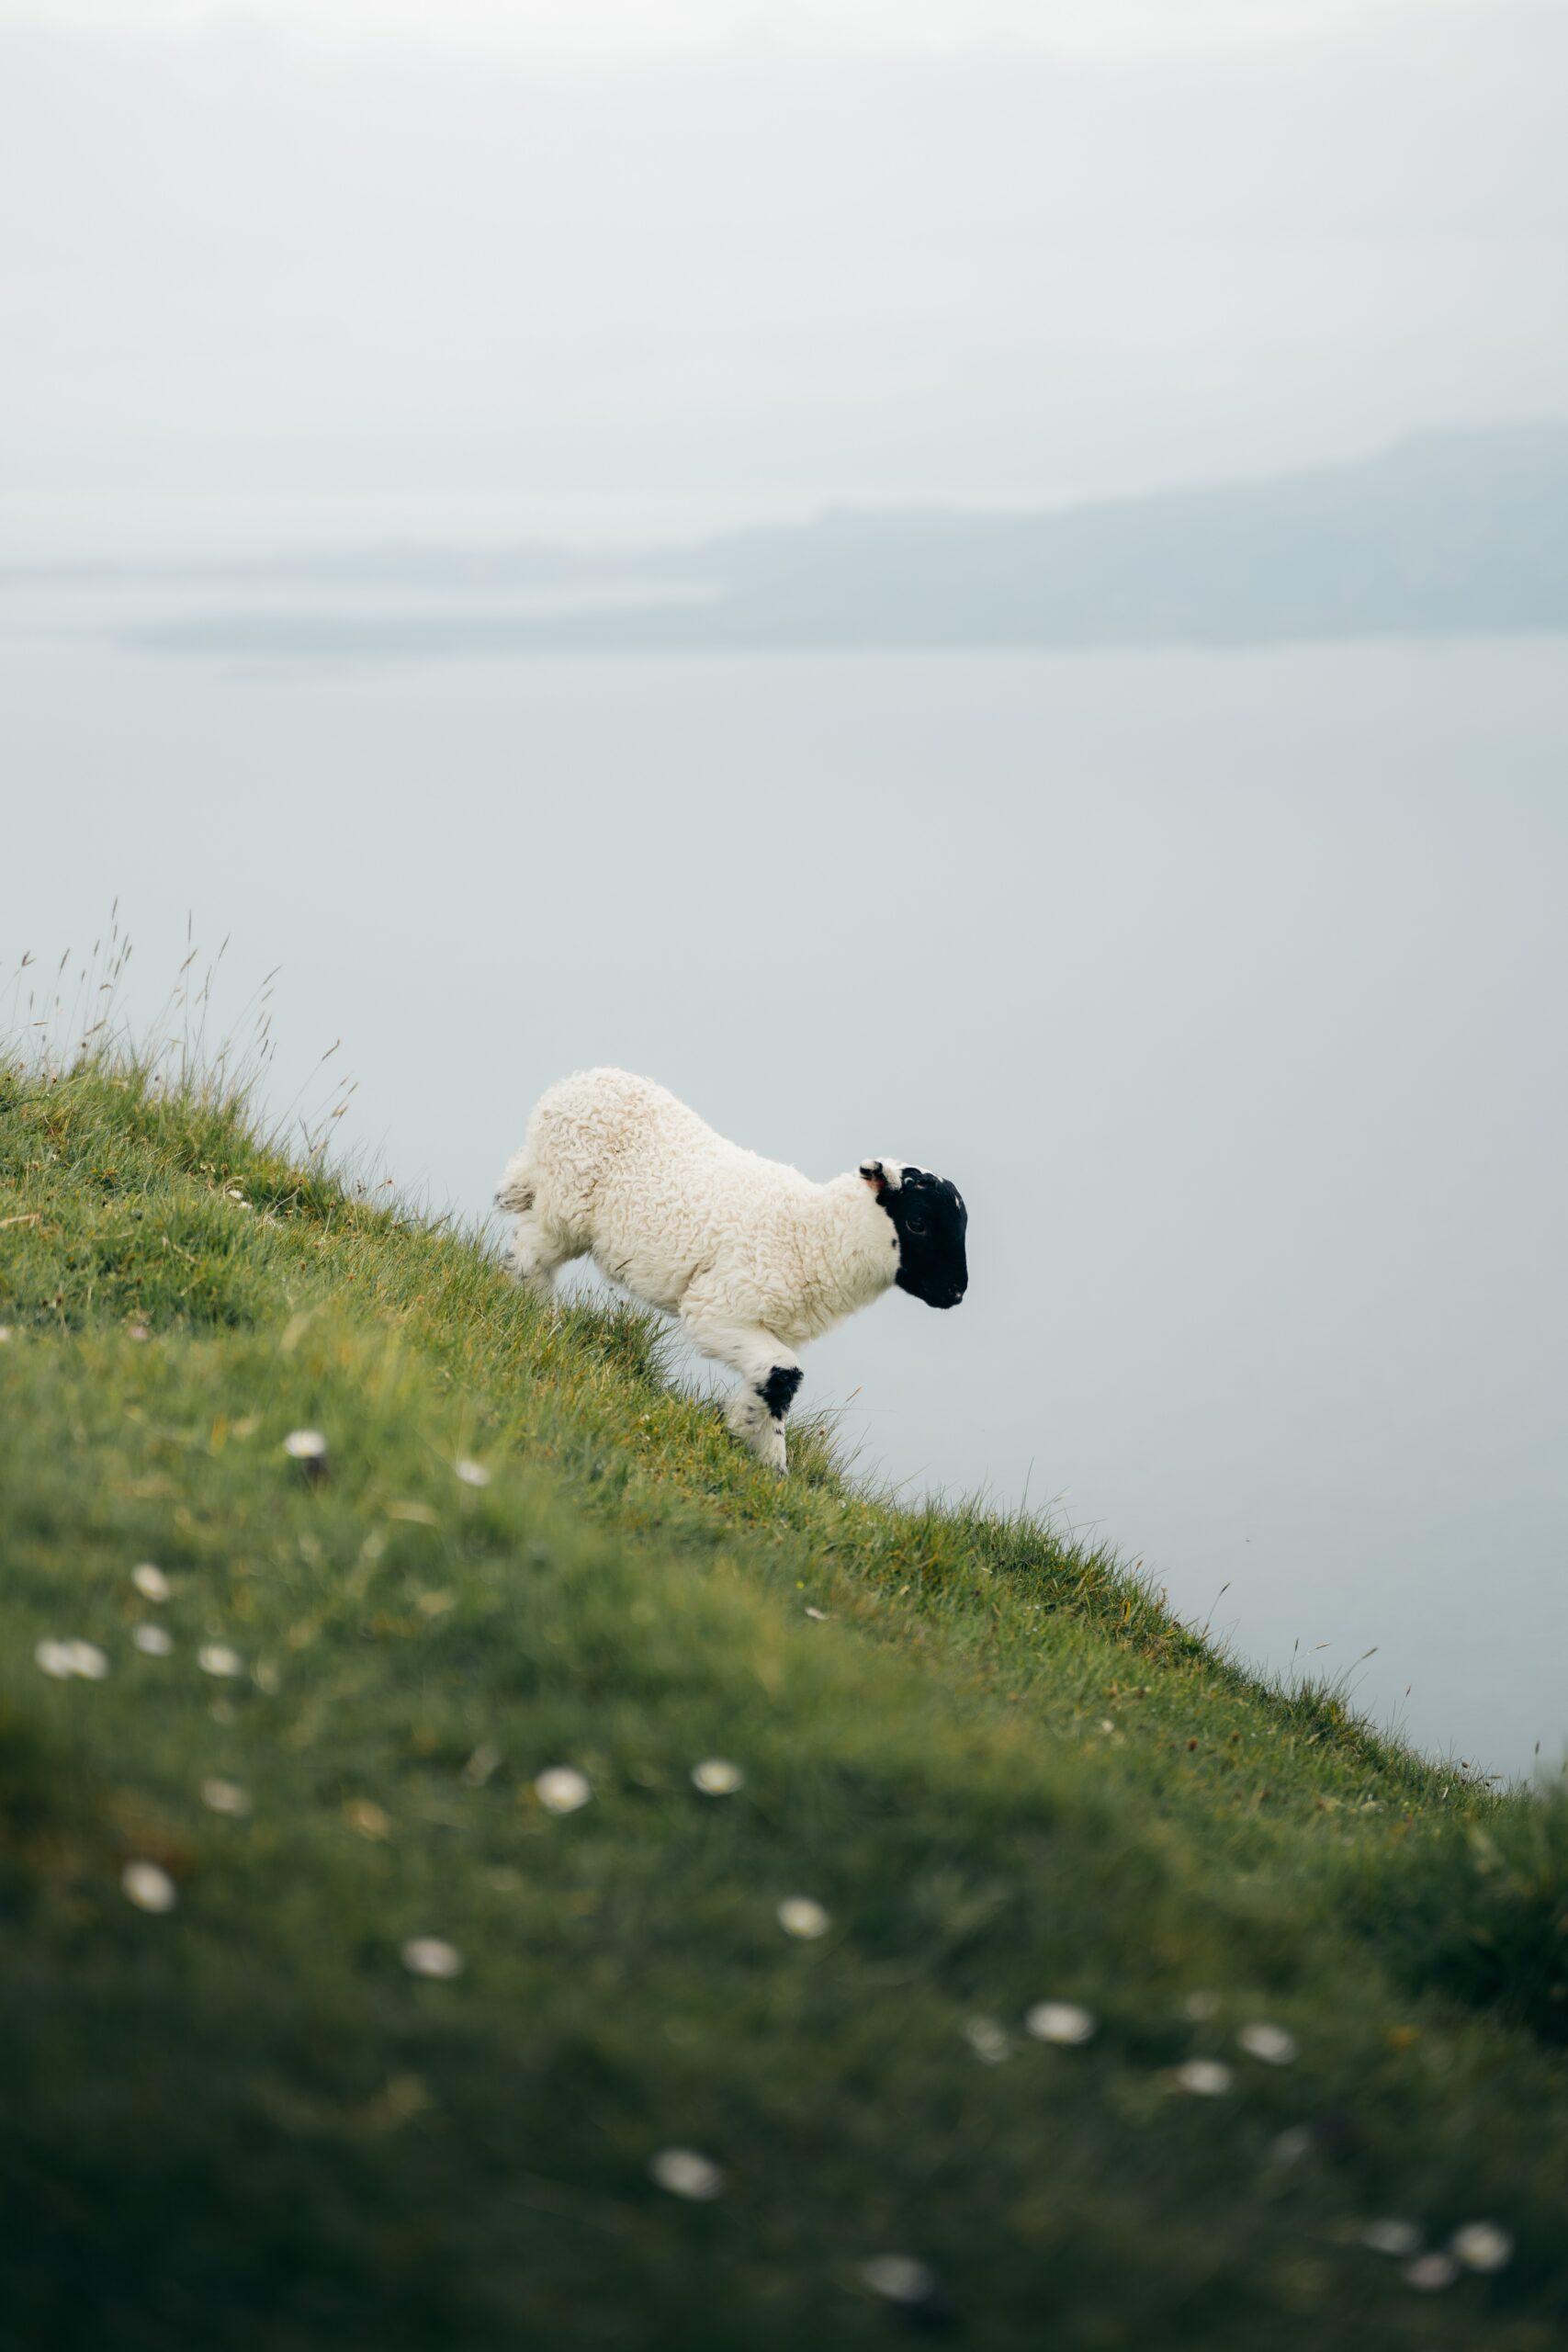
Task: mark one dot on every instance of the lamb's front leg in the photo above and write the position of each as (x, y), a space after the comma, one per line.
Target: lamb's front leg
(769, 1375)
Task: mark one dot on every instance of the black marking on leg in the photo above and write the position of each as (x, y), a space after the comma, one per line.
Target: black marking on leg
(777, 1392)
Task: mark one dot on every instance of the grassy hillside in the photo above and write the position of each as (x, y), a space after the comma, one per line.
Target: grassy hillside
(233, 2113)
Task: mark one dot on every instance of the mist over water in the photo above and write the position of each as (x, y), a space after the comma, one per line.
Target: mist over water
(1229, 987)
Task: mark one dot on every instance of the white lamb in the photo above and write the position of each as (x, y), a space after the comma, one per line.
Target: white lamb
(752, 1256)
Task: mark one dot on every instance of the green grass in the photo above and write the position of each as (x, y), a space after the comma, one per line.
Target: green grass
(1004, 1769)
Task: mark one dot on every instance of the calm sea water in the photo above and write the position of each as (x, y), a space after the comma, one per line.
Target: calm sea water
(1229, 987)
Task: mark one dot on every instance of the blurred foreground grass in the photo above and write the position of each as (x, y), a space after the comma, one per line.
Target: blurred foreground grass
(992, 1761)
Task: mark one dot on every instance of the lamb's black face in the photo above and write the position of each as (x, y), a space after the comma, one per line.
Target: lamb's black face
(931, 1220)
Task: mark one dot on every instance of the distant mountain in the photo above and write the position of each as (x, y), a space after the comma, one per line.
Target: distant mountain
(1447, 532)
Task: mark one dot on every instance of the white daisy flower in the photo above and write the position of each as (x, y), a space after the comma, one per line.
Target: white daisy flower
(150, 1888)
(152, 1641)
(562, 1789)
(1481, 2246)
(1270, 2042)
(482, 1765)
(431, 1956)
(684, 2173)
(1204, 2077)
(472, 1473)
(1062, 2021)
(150, 1581)
(899, 2277)
(224, 1797)
(716, 1777)
(309, 1448)
(64, 1659)
(217, 1658)
(1430, 2273)
(1399, 2240)
(798, 1915)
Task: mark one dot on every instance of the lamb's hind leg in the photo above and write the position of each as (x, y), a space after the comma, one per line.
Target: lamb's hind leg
(770, 1375)
(535, 1257)
(537, 1250)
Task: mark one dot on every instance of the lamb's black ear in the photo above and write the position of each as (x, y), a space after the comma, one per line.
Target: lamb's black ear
(883, 1175)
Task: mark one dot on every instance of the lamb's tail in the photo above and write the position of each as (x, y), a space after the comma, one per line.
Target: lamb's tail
(518, 1187)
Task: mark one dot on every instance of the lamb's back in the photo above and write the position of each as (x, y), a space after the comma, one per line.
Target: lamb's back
(629, 1165)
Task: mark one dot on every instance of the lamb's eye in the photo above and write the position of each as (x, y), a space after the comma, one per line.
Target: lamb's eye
(917, 1224)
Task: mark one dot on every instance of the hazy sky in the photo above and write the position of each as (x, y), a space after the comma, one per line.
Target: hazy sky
(323, 268)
